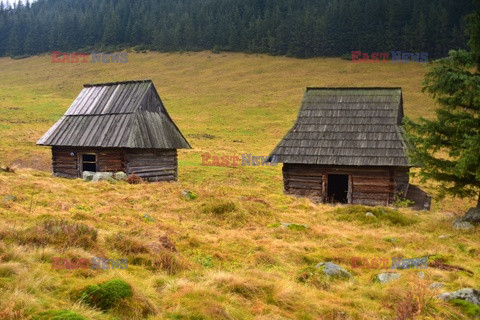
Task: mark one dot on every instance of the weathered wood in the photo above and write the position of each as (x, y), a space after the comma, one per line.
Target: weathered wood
(367, 185)
(150, 165)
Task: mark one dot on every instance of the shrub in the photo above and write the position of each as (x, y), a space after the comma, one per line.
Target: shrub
(106, 295)
(127, 244)
(58, 315)
(382, 214)
(134, 179)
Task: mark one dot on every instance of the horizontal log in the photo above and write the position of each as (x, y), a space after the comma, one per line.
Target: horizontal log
(303, 186)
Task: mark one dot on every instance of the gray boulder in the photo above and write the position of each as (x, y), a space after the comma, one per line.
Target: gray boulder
(369, 214)
(436, 285)
(462, 225)
(103, 176)
(8, 198)
(387, 277)
(472, 216)
(333, 270)
(88, 175)
(467, 294)
(121, 176)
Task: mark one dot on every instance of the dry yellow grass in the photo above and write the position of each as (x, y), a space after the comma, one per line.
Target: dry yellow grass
(233, 264)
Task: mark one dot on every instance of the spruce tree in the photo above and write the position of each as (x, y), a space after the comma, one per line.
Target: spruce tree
(448, 146)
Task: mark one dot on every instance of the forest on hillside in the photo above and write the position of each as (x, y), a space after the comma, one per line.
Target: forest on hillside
(299, 28)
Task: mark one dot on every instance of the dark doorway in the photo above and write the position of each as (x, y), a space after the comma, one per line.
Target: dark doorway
(337, 188)
(89, 162)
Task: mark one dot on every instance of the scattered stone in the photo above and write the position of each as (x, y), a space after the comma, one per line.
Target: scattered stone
(148, 218)
(8, 198)
(188, 195)
(120, 176)
(444, 236)
(436, 285)
(333, 270)
(392, 240)
(387, 277)
(472, 216)
(369, 214)
(88, 175)
(467, 294)
(421, 275)
(102, 176)
(462, 225)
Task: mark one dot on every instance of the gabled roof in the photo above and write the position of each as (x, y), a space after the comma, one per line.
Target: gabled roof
(346, 126)
(116, 115)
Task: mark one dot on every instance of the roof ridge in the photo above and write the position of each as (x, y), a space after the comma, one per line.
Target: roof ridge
(115, 83)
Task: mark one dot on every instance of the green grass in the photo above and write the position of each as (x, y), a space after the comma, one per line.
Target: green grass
(382, 215)
(222, 255)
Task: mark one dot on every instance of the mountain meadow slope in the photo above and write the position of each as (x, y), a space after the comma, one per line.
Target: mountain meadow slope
(223, 252)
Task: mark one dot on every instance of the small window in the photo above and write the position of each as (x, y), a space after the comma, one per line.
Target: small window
(89, 162)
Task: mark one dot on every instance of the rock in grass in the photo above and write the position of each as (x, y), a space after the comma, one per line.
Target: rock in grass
(333, 270)
(472, 216)
(467, 294)
(120, 176)
(58, 315)
(88, 175)
(8, 198)
(462, 225)
(370, 215)
(103, 176)
(387, 277)
(148, 218)
(436, 285)
(188, 195)
(106, 295)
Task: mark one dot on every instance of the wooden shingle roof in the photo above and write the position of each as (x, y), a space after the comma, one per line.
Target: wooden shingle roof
(116, 115)
(347, 126)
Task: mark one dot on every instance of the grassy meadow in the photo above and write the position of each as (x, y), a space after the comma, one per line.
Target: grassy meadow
(222, 255)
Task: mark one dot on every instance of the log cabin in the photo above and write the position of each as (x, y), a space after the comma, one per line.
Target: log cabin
(346, 146)
(119, 126)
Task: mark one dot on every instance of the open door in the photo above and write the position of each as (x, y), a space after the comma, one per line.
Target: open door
(338, 188)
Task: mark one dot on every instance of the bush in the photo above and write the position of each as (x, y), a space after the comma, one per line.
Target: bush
(58, 315)
(134, 179)
(382, 214)
(106, 295)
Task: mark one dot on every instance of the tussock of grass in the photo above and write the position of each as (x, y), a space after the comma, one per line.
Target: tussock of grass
(383, 215)
(58, 315)
(106, 295)
(61, 233)
(466, 307)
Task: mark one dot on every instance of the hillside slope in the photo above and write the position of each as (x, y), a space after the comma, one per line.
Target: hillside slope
(225, 254)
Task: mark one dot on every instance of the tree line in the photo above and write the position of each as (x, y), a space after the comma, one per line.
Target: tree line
(299, 28)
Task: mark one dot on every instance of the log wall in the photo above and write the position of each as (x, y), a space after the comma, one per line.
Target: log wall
(150, 165)
(368, 185)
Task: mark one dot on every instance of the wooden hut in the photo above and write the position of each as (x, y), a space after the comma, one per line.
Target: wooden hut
(346, 146)
(110, 127)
